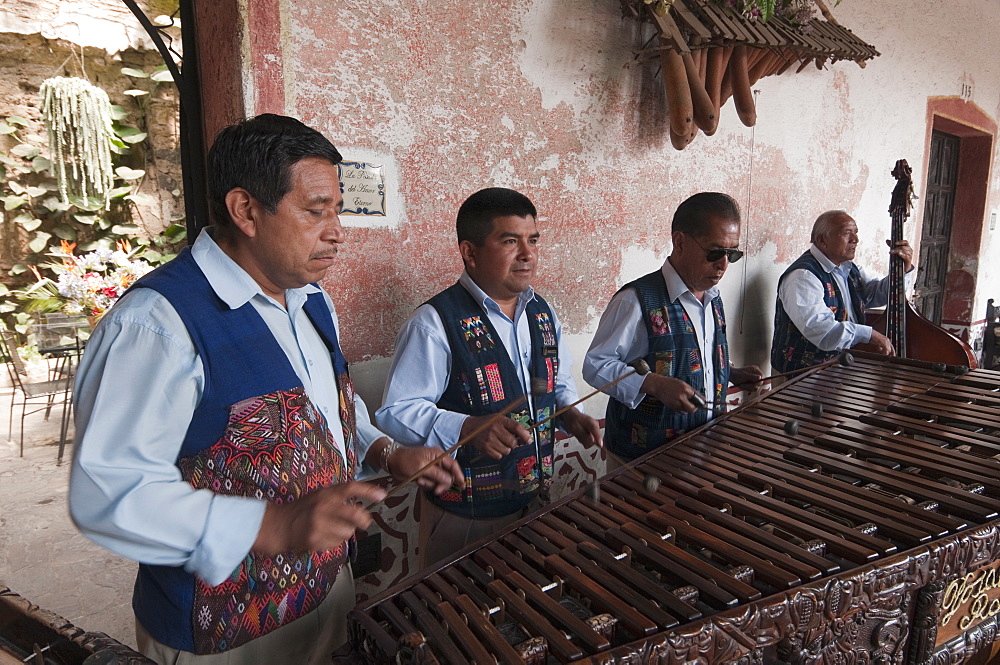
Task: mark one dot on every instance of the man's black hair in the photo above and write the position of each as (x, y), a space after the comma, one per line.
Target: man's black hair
(257, 154)
(692, 216)
(476, 215)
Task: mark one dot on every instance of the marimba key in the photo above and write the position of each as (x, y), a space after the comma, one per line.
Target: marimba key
(889, 457)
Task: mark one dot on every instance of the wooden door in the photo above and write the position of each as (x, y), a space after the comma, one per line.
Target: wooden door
(935, 236)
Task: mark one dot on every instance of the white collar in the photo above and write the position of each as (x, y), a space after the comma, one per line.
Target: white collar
(232, 283)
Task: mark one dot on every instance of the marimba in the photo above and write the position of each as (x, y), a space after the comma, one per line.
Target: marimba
(865, 532)
(29, 634)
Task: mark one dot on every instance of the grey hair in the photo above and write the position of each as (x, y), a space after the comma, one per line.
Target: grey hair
(824, 224)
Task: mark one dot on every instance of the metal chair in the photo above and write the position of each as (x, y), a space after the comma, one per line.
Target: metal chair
(40, 394)
(62, 336)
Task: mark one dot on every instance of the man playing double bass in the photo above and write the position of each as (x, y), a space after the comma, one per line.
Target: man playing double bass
(822, 298)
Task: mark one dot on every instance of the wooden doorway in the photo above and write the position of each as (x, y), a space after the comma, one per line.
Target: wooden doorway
(935, 236)
(957, 163)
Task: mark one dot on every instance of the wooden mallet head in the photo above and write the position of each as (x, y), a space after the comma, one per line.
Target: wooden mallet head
(640, 366)
(539, 385)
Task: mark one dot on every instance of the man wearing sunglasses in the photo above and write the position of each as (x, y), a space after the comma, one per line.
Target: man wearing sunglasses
(822, 298)
(673, 318)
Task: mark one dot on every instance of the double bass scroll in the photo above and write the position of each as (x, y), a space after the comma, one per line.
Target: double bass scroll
(912, 335)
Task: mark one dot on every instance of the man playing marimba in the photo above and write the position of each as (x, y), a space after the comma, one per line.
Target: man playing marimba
(673, 318)
(813, 319)
(470, 352)
(218, 432)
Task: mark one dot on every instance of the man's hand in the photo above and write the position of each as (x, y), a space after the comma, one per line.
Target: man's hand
(881, 343)
(583, 427)
(321, 520)
(674, 393)
(501, 436)
(407, 460)
(903, 251)
(748, 378)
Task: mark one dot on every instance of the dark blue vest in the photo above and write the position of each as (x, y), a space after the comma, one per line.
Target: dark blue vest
(790, 350)
(673, 351)
(484, 381)
(249, 436)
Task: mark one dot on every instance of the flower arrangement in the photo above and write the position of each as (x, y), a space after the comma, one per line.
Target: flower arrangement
(88, 284)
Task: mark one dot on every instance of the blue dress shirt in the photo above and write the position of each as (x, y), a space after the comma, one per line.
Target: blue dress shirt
(136, 388)
(801, 294)
(422, 364)
(622, 338)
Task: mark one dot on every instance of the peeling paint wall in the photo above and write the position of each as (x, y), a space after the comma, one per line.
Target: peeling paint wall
(545, 96)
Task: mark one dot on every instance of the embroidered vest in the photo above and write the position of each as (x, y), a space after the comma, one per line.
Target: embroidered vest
(484, 381)
(673, 351)
(790, 350)
(255, 433)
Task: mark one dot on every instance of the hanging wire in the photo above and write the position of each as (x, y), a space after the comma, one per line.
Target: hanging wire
(746, 221)
(58, 70)
(80, 61)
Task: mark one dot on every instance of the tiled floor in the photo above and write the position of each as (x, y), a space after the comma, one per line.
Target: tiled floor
(42, 555)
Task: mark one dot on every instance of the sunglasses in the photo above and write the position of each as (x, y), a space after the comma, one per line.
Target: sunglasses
(713, 255)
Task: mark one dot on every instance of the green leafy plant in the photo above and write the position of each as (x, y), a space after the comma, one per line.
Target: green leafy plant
(77, 116)
(33, 202)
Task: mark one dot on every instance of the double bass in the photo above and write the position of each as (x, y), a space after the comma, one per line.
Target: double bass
(911, 334)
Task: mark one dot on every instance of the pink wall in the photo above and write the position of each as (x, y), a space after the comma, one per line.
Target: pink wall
(545, 97)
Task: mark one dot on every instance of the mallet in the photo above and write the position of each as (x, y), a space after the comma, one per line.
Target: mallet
(845, 359)
(538, 386)
(640, 367)
(464, 440)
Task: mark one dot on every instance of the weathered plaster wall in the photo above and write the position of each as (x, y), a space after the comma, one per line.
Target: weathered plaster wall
(544, 96)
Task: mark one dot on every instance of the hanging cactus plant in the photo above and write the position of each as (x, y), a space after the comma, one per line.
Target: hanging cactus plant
(78, 118)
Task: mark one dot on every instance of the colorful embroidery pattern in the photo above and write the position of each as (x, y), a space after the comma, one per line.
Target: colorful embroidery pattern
(484, 392)
(523, 417)
(276, 447)
(527, 473)
(723, 357)
(476, 334)
(466, 389)
(542, 417)
(546, 329)
(547, 470)
(456, 495)
(486, 483)
(719, 315)
(346, 391)
(658, 323)
(496, 383)
(694, 361)
(665, 363)
(550, 374)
